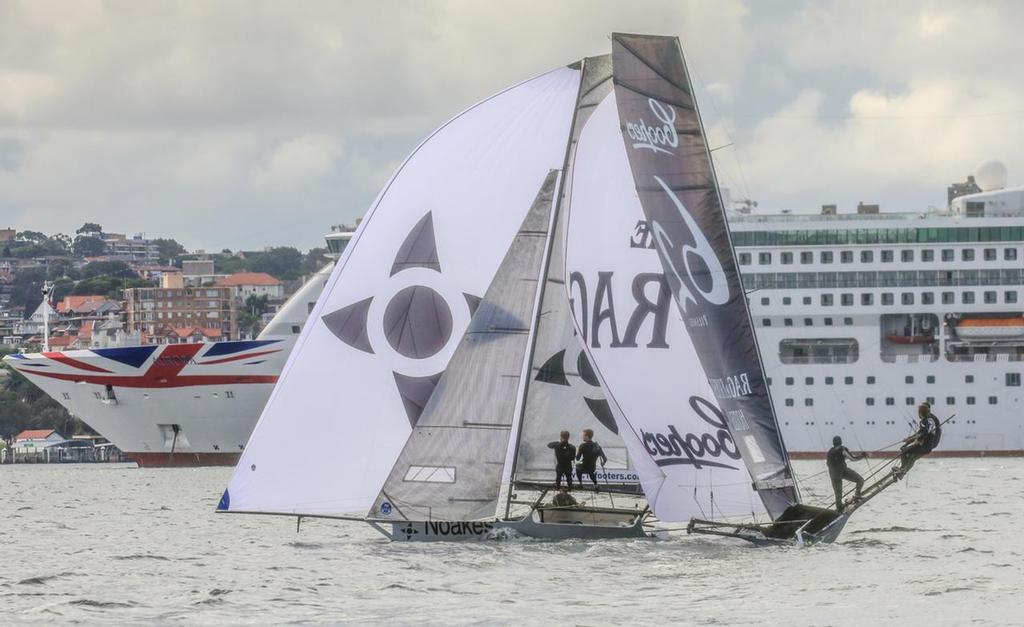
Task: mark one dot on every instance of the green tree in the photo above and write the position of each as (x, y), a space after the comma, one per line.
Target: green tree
(282, 262)
(89, 227)
(168, 249)
(315, 259)
(88, 246)
(26, 289)
(116, 269)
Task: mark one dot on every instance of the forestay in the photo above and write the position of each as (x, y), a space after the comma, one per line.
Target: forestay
(688, 462)
(675, 182)
(398, 302)
(451, 466)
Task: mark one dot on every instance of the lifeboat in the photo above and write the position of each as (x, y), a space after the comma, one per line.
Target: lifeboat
(990, 329)
(910, 339)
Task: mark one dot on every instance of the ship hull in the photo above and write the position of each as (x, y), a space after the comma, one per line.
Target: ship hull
(183, 460)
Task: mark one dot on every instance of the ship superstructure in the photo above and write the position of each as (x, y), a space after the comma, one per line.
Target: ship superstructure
(861, 317)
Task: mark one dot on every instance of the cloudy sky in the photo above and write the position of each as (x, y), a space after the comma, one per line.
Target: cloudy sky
(245, 124)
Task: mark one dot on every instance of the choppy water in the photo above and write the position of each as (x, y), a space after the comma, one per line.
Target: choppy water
(102, 543)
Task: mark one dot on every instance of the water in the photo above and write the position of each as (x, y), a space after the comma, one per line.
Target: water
(110, 543)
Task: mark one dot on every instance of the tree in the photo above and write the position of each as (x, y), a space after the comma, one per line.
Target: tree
(34, 237)
(88, 246)
(116, 269)
(59, 268)
(25, 406)
(168, 249)
(282, 262)
(315, 259)
(89, 227)
(26, 289)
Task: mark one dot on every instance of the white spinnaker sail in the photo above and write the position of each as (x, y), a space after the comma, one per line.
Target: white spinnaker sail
(687, 461)
(398, 302)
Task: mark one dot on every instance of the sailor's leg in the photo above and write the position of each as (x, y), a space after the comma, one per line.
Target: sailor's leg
(851, 475)
(558, 478)
(837, 488)
(593, 477)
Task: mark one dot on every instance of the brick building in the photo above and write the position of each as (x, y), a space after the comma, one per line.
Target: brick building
(151, 310)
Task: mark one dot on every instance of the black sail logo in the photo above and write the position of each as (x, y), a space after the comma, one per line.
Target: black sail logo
(692, 449)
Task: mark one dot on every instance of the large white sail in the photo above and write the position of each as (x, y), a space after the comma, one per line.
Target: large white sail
(682, 449)
(398, 302)
(451, 466)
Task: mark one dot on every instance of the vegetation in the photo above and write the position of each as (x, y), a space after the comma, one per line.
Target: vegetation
(25, 406)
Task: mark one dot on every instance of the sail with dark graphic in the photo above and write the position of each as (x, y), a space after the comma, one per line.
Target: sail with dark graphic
(676, 185)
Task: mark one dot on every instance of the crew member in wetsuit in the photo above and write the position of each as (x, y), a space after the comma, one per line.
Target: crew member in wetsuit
(563, 499)
(565, 453)
(916, 445)
(587, 455)
(838, 470)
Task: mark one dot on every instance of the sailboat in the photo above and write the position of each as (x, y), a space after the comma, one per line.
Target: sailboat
(555, 257)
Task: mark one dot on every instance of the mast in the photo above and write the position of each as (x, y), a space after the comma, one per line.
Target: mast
(47, 288)
(543, 280)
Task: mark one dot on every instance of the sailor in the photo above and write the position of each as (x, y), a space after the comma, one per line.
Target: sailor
(837, 470)
(919, 443)
(587, 456)
(563, 499)
(565, 453)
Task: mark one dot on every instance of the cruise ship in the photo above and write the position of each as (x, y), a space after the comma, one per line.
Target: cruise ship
(861, 317)
(190, 404)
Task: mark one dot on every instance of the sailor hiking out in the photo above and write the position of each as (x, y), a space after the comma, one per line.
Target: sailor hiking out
(565, 453)
(838, 470)
(921, 442)
(587, 455)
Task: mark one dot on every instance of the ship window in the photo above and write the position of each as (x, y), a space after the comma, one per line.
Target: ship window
(808, 322)
(765, 301)
(990, 297)
(931, 401)
(907, 298)
(787, 258)
(789, 380)
(846, 300)
(786, 300)
(967, 298)
(788, 322)
(1013, 379)
(744, 259)
(927, 298)
(928, 255)
(806, 257)
(951, 400)
(930, 379)
(808, 402)
(869, 401)
(766, 322)
(967, 254)
(990, 254)
(910, 400)
(846, 256)
(887, 256)
(947, 298)
(430, 474)
(867, 299)
(769, 379)
(1010, 296)
(826, 256)
(887, 298)
(848, 380)
(907, 255)
(808, 380)
(826, 300)
(764, 258)
(992, 400)
(871, 380)
(947, 254)
(970, 400)
(824, 350)
(829, 380)
(969, 378)
(296, 328)
(890, 401)
(848, 321)
(789, 402)
(908, 379)
(828, 322)
(867, 256)
(1010, 254)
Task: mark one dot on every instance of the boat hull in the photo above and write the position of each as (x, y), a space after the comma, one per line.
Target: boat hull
(183, 460)
(445, 531)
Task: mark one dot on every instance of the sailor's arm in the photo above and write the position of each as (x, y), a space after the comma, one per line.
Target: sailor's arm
(604, 458)
(553, 444)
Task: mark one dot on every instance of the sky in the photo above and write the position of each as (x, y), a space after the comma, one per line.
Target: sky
(249, 124)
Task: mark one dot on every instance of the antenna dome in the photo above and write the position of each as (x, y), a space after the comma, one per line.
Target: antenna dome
(991, 175)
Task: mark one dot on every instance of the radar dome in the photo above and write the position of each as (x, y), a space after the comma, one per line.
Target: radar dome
(991, 175)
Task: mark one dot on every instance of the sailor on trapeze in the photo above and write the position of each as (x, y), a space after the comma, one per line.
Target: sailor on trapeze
(588, 453)
(838, 470)
(565, 453)
(919, 444)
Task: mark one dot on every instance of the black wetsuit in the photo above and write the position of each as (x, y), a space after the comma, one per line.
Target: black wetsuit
(919, 444)
(838, 471)
(588, 454)
(565, 453)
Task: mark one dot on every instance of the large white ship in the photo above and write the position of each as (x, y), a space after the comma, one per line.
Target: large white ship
(191, 404)
(861, 317)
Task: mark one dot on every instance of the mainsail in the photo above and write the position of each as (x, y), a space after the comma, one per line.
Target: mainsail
(450, 468)
(686, 457)
(675, 182)
(397, 303)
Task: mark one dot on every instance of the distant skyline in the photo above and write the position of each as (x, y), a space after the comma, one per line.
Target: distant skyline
(243, 125)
